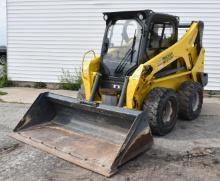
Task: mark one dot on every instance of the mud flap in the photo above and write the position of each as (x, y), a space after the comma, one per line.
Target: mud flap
(94, 136)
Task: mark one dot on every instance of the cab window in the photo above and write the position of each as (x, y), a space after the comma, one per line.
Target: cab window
(161, 36)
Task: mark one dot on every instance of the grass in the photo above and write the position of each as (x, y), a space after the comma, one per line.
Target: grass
(4, 79)
(3, 93)
(4, 82)
(70, 81)
(40, 85)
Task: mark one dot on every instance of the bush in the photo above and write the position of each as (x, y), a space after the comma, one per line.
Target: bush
(4, 79)
(70, 81)
(3, 93)
(40, 85)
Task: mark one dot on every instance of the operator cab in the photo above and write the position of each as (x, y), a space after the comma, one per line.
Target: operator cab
(131, 38)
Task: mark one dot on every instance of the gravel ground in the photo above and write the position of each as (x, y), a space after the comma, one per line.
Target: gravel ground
(190, 152)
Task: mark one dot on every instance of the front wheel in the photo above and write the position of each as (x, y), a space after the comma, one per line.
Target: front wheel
(161, 104)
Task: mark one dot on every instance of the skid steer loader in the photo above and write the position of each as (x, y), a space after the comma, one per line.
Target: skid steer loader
(144, 78)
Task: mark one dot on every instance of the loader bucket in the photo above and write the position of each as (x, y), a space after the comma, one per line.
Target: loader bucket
(94, 136)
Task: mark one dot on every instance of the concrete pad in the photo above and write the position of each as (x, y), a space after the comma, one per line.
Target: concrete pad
(28, 95)
(190, 152)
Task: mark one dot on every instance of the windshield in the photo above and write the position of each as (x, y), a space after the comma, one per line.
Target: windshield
(123, 39)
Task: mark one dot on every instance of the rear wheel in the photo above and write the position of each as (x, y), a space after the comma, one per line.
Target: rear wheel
(161, 104)
(81, 93)
(191, 100)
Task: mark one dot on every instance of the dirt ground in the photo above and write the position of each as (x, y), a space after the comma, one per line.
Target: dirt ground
(190, 152)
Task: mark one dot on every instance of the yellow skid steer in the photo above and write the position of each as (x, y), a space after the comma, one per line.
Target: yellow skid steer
(144, 78)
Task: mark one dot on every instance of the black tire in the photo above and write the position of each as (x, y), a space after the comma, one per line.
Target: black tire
(81, 93)
(162, 107)
(191, 100)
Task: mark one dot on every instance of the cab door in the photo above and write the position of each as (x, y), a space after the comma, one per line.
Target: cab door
(162, 34)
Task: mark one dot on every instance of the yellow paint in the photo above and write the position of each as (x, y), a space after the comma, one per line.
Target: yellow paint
(139, 86)
(88, 72)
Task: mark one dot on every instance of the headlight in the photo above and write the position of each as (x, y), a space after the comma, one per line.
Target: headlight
(140, 16)
(105, 17)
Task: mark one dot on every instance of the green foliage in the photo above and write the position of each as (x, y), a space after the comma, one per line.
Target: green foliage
(3, 93)
(213, 92)
(70, 81)
(40, 85)
(4, 79)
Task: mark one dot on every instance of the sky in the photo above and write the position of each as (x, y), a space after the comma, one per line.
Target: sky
(2, 22)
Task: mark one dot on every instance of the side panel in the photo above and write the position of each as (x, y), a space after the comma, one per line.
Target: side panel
(172, 82)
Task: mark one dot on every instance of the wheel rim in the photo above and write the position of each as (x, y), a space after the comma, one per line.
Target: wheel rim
(167, 112)
(195, 101)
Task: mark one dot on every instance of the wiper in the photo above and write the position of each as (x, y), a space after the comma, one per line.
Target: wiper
(124, 60)
(132, 47)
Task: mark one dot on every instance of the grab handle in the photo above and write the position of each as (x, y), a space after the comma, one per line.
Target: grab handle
(84, 56)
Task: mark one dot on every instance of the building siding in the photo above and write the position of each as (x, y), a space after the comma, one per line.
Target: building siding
(46, 36)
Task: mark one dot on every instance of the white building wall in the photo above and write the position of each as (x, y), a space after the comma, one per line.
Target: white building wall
(3, 22)
(45, 36)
